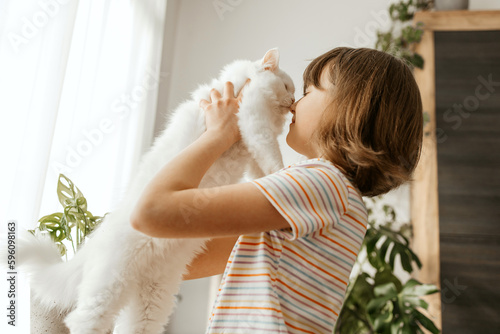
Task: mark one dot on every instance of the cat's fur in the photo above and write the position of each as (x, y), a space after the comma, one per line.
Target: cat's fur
(122, 272)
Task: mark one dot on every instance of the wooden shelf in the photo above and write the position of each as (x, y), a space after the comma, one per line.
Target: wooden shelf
(424, 204)
(457, 20)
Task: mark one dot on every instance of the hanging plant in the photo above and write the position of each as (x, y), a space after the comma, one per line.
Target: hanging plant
(402, 36)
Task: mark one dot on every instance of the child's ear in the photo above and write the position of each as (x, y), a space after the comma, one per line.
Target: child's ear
(271, 60)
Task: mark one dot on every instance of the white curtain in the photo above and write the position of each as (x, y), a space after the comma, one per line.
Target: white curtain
(78, 91)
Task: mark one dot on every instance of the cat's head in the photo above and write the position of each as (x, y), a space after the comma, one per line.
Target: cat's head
(276, 79)
(266, 78)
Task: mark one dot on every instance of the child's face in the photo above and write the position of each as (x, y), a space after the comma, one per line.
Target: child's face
(307, 113)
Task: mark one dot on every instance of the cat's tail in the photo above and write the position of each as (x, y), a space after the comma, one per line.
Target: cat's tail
(53, 282)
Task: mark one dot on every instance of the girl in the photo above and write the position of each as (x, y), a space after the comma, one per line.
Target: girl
(292, 237)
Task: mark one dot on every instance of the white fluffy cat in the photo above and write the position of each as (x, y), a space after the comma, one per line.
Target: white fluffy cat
(126, 279)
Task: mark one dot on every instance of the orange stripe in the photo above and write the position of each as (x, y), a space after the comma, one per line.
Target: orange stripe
(298, 328)
(301, 323)
(338, 192)
(248, 308)
(277, 205)
(264, 237)
(312, 264)
(259, 243)
(335, 233)
(318, 205)
(335, 242)
(319, 263)
(310, 299)
(305, 193)
(357, 221)
(251, 275)
(309, 292)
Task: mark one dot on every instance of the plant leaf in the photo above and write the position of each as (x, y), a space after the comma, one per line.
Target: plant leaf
(396, 327)
(54, 225)
(426, 322)
(69, 194)
(377, 303)
(386, 276)
(388, 289)
(422, 290)
(384, 318)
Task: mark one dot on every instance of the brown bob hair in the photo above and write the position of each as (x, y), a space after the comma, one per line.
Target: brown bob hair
(372, 129)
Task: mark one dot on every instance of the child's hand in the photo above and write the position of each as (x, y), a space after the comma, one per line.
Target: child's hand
(220, 112)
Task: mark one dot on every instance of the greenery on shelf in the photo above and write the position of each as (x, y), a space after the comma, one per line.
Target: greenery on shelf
(380, 302)
(75, 218)
(402, 36)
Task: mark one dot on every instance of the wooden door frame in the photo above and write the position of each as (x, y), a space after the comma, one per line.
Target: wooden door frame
(424, 204)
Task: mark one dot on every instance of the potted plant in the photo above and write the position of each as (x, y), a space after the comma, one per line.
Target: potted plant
(402, 37)
(452, 4)
(376, 300)
(73, 224)
(400, 40)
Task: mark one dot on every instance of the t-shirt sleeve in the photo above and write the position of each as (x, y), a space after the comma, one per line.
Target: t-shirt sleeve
(309, 198)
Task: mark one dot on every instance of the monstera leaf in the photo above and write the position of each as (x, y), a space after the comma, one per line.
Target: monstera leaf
(75, 217)
(395, 310)
(376, 301)
(57, 229)
(396, 242)
(69, 195)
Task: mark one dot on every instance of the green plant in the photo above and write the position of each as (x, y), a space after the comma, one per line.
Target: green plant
(379, 302)
(74, 218)
(402, 36)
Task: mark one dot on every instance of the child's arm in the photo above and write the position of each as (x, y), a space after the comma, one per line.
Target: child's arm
(232, 211)
(172, 206)
(213, 261)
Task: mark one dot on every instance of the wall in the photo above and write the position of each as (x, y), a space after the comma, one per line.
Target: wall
(202, 36)
(484, 4)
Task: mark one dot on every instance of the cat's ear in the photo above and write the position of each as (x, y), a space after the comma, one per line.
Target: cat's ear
(271, 60)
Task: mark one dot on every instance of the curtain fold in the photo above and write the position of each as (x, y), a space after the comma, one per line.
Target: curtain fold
(33, 58)
(78, 90)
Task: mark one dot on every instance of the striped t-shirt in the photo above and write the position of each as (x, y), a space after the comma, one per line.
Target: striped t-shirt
(294, 280)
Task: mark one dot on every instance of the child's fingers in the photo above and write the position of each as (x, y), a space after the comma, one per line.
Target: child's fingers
(204, 104)
(215, 95)
(240, 94)
(228, 92)
(229, 89)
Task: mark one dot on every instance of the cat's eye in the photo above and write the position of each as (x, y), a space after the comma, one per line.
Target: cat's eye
(286, 87)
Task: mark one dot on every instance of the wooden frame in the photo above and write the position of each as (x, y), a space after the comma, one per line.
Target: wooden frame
(424, 189)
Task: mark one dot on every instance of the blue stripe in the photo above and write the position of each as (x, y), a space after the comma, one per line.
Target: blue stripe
(355, 199)
(276, 261)
(356, 233)
(299, 207)
(325, 192)
(294, 305)
(253, 322)
(248, 288)
(323, 250)
(294, 268)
